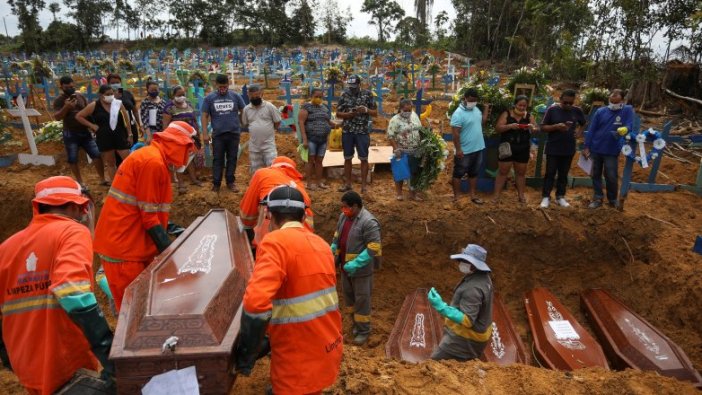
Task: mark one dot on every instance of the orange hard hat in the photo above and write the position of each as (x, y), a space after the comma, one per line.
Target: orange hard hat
(287, 165)
(178, 132)
(57, 191)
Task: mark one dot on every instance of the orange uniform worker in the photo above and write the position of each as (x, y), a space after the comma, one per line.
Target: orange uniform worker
(292, 293)
(281, 172)
(50, 318)
(131, 229)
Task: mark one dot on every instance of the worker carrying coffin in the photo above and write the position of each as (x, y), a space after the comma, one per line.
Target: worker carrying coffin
(51, 323)
(281, 172)
(292, 294)
(131, 229)
(468, 318)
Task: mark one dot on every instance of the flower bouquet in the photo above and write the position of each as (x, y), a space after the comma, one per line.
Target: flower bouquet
(49, 131)
(592, 95)
(499, 99)
(432, 154)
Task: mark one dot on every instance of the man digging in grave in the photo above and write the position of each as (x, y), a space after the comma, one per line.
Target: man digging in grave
(468, 319)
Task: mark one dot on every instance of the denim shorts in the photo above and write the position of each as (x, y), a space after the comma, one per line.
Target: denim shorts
(359, 142)
(75, 140)
(469, 164)
(317, 149)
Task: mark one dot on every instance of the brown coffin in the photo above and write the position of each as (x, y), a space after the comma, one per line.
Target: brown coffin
(560, 341)
(631, 342)
(505, 347)
(417, 330)
(193, 291)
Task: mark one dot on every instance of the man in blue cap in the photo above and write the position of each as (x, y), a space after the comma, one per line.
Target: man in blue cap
(468, 319)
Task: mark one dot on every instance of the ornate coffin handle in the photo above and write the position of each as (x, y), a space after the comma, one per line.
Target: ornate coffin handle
(169, 344)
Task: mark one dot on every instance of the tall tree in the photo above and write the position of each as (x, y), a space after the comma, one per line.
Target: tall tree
(87, 15)
(27, 12)
(440, 22)
(422, 9)
(410, 32)
(335, 22)
(383, 14)
(54, 8)
(303, 24)
(185, 16)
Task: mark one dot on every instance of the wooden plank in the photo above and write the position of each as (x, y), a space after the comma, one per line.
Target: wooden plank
(17, 113)
(376, 154)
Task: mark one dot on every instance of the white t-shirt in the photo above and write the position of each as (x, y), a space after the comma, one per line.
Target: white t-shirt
(260, 121)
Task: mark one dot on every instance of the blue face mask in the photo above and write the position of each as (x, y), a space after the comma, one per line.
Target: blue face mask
(153, 94)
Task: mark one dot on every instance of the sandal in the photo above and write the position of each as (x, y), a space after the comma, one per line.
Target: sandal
(345, 188)
(477, 200)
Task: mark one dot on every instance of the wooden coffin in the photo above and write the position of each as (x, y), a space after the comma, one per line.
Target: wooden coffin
(560, 342)
(631, 342)
(192, 291)
(506, 346)
(417, 331)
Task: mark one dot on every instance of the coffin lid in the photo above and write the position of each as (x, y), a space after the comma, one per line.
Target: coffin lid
(572, 347)
(632, 342)
(417, 331)
(193, 290)
(505, 346)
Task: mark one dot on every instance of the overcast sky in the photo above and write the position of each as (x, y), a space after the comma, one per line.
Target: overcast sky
(359, 26)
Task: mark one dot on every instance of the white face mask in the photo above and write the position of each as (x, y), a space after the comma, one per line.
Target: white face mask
(185, 166)
(406, 114)
(179, 99)
(465, 268)
(615, 107)
(108, 99)
(469, 105)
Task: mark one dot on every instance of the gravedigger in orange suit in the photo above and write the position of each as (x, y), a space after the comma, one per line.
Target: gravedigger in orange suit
(292, 296)
(281, 172)
(131, 229)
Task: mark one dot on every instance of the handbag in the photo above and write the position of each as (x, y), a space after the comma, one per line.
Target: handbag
(504, 150)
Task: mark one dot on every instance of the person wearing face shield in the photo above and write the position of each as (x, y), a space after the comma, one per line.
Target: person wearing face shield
(468, 319)
(131, 229)
(403, 134)
(356, 107)
(51, 324)
(357, 248)
(110, 124)
(603, 143)
(292, 297)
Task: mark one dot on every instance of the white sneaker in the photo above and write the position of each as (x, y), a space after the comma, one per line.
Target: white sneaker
(545, 202)
(562, 202)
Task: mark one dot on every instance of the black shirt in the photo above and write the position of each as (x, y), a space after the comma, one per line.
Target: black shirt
(562, 143)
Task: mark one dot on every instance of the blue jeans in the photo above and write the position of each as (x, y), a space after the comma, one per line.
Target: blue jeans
(224, 144)
(359, 142)
(75, 140)
(610, 165)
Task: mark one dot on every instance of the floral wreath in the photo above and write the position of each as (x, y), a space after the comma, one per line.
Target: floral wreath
(632, 139)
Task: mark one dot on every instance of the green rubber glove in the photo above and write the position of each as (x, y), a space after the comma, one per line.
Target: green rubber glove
(357, 263)
(443, 308)
(334, 248)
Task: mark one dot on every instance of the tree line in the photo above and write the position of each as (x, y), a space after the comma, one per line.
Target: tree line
(571, 35)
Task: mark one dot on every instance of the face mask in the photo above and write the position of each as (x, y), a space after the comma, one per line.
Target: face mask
(185, 166)
(257, 101)
(465, 268)
(519, 112)
(179, 99)
(115, 86)
(615, 107)
(222, 91)
(316, 101)
(406, 114)
(469, 105)
(108, 99)
(69, 91)
(348, 212)
(153, 94)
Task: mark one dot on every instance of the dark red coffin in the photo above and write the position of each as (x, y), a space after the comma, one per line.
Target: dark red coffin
(192, 291)
(417, 331)
(505, 347)
(631, 342)
(560, 342)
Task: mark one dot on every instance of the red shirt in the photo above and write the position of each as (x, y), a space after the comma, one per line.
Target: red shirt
(343, 237)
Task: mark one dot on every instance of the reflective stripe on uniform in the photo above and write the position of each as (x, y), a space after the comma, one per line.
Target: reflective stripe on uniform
(468, 333)
(306, 307)
(69, 288)
(29, 303)
(154, 207)
(146, 207)
(376, 248)
(361, 318)
(122, 197)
